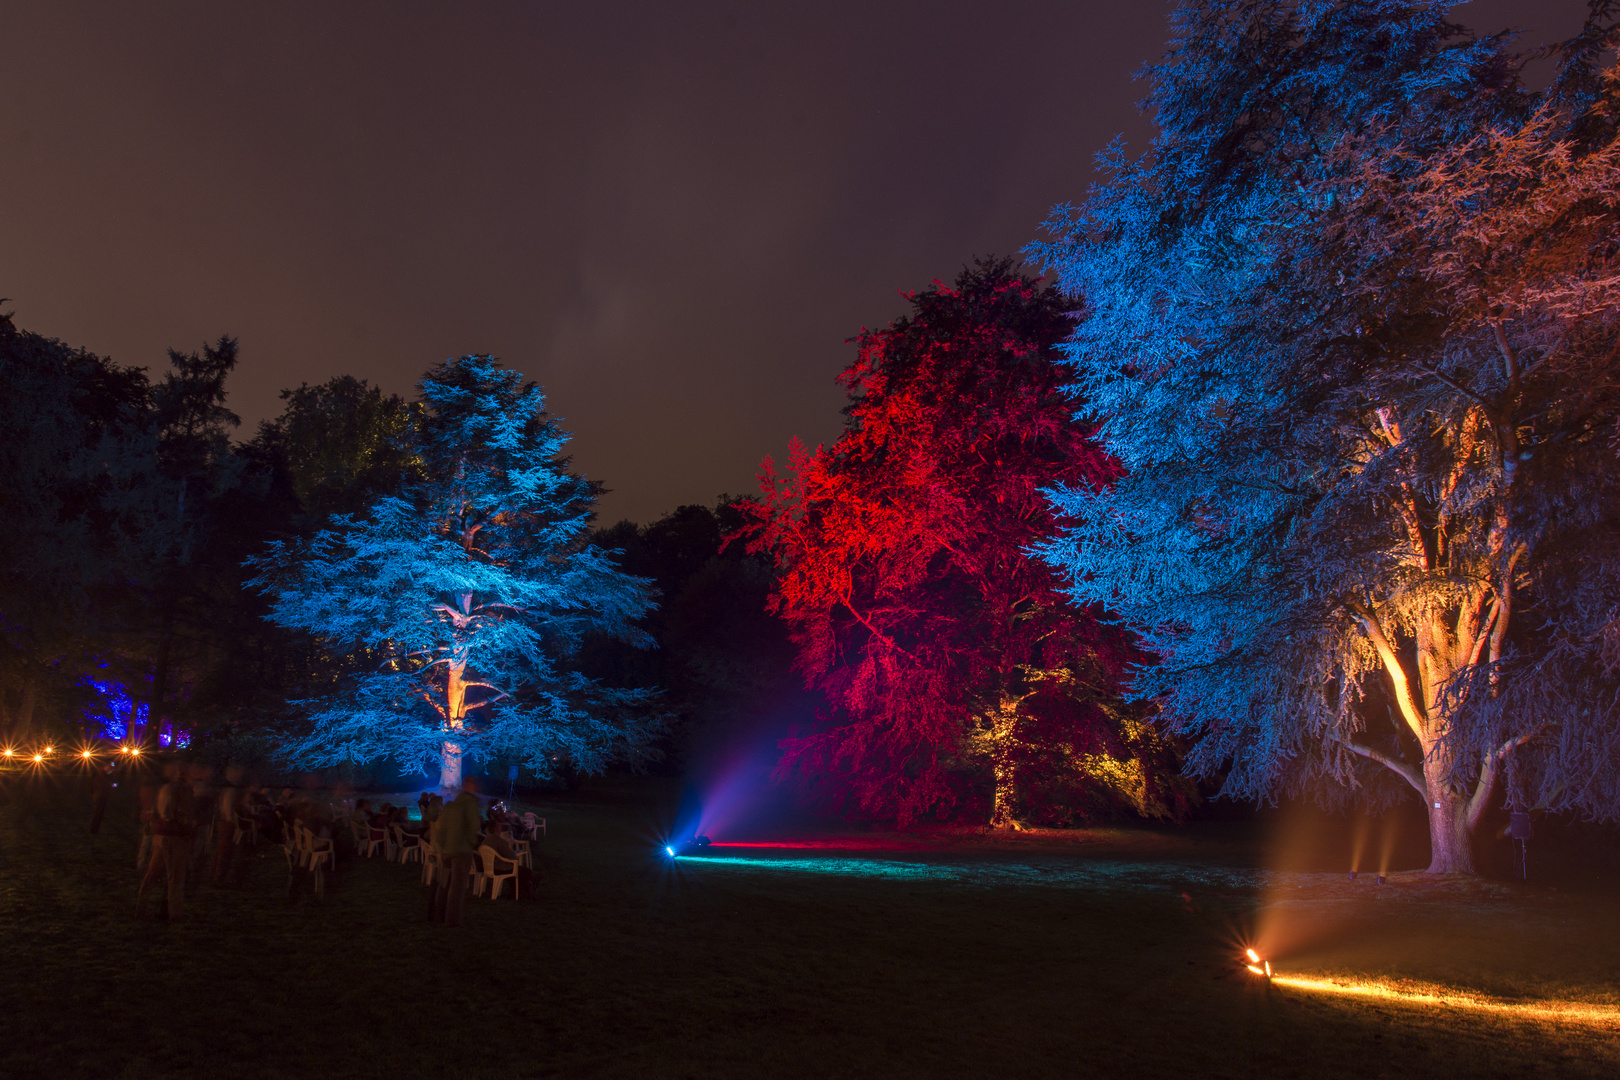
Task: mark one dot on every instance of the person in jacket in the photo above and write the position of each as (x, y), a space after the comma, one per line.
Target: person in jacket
(456, 834)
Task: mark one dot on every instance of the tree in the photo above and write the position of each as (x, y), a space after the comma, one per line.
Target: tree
(63, 408)
(463, 599)
(724, 665)
(341, 444)
(958, 676)
(1352, 328)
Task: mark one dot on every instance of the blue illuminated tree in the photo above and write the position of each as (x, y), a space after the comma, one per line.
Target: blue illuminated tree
(458, 605)
(1352, 328)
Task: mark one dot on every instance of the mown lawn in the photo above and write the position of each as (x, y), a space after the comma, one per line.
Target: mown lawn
(1100, 953)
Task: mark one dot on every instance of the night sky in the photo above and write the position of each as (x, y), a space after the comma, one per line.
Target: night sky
(670, 215)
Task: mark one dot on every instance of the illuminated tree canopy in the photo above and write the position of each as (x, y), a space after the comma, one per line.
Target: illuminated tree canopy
(1352, 325)
(462, 600)
(961, 680)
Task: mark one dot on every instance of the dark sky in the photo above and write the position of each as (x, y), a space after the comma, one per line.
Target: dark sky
(671, 215)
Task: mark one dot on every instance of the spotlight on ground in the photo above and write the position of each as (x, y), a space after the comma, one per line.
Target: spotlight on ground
(1256, 965)
(693, 846)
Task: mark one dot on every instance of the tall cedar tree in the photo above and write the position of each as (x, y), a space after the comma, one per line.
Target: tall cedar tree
(1353, 320)
(960, 679)
(468, 596)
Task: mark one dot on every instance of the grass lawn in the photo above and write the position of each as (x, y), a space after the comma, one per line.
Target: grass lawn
(1105, 952)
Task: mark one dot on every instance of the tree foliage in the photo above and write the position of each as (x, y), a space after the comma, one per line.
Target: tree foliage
(1351, 329)
(959, 679)
(466, 597)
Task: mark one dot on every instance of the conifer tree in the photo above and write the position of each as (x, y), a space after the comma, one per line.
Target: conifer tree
(458, 604)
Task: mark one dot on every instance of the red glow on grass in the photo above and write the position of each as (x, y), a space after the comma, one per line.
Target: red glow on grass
(836, 844)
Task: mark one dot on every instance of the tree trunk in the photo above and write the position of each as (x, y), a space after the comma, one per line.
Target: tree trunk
(1450, 849)
(1002, 734)
(455, 707)
(449, 768)
(153, 729)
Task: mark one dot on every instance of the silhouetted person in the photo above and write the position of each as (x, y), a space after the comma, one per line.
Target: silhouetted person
(225, 811)
(100, 785)
(457, 837)
(148, 803)
(172, 833)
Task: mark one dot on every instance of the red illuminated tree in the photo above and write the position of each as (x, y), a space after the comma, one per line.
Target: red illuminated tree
(958, 676)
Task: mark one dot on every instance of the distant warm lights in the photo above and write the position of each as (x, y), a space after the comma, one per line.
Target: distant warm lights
(1431, 997)
(39, 757)
(87, 755)
(9, 752)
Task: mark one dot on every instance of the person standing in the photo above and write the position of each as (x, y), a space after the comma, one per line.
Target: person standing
(457, 837)
(225, 812)
(100, 786)
(172, 832)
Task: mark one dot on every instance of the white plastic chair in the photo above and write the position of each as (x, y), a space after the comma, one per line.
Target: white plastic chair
(521, 849)
(489, 871)
(406, 845)
(317, 852)
(535, 825)
(375, 839)
(432, 861)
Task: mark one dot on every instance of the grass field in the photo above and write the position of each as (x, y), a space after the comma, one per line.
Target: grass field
(1106, 952)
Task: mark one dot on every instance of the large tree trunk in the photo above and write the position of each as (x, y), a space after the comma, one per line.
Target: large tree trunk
(1450, 828)
(449, 768)
(1002, 733)
(455, 700)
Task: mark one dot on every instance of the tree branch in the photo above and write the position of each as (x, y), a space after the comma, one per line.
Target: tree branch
(1487, 777)
(1415, 717)
(1399, 768)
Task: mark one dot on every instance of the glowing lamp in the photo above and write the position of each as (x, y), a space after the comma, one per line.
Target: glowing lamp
(687, 847)
(39, 757)
(9, 752)
(669, 851)
(85, 755)
(1258, 966)
(50, 749)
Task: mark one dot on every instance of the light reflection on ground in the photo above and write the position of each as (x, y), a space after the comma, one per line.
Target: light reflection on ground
(1452, 998)
(992, 873)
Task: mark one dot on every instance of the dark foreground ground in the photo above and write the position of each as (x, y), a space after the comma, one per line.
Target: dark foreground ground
(1104, 953)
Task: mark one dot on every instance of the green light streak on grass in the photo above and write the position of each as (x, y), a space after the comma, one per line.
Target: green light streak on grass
(996, 873)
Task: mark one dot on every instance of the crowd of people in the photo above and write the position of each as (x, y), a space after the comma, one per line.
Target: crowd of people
(193, 827)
